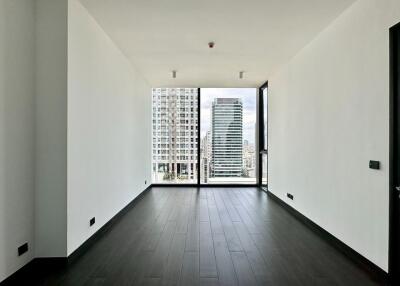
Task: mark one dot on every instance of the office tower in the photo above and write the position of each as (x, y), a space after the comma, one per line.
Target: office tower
(227, 137)
(174, 134)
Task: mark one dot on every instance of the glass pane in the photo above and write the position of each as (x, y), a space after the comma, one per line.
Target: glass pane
(228, 133)
(264, 181)
(174, 135)
(265, 101)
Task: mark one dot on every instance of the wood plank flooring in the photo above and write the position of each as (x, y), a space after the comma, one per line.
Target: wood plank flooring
(208, 236)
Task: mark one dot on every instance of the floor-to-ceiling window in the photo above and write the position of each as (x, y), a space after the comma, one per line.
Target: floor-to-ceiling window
(227, 143)
(263, 99)
(228, 135)
(174, 135)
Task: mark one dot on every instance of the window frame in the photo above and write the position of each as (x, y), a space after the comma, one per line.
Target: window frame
(259, 127)
(262, 143)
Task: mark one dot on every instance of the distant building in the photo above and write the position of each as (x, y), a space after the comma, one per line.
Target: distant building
(227, 137)
(174, 146)
(205, 146)
(249, 160)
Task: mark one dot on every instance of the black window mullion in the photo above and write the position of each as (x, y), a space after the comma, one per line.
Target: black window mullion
(198, 136)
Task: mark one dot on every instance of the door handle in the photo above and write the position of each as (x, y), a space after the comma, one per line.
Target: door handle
(397, 188)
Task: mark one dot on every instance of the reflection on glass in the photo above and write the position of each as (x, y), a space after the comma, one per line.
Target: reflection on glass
(174, 137)
(227, 146)
(264, 181)
(265, 101)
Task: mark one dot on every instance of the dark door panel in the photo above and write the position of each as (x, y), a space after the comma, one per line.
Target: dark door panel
(394, 192)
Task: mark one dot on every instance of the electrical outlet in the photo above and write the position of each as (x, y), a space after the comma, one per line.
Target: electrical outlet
(92, 221)
(374, 165)
(23, 248)
(290, 196)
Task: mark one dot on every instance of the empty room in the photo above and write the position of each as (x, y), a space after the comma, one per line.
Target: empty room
(189, 142)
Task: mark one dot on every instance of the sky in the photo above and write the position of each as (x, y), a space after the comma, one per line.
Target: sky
(248, 96)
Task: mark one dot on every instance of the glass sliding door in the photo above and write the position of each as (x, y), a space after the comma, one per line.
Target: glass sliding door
(174, 135)
(228, 134)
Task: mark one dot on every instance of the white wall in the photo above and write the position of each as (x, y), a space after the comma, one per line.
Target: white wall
(16, 133)
(105, 113)
(328, 116)
(51, 128)
(108, 128)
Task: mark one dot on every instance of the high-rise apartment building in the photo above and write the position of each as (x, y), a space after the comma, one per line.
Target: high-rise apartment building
(227, 137)
(205, 157)
(174, 145)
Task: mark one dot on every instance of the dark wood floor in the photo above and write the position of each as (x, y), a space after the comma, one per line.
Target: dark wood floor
(209, 236)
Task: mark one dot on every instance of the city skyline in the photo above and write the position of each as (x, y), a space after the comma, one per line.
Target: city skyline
(230, 152)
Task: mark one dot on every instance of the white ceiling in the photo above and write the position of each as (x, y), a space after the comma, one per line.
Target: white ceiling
(256, 36)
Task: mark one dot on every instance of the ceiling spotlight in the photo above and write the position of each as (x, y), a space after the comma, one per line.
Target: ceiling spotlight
(241, 74)
(173, 74)
(211, 45)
